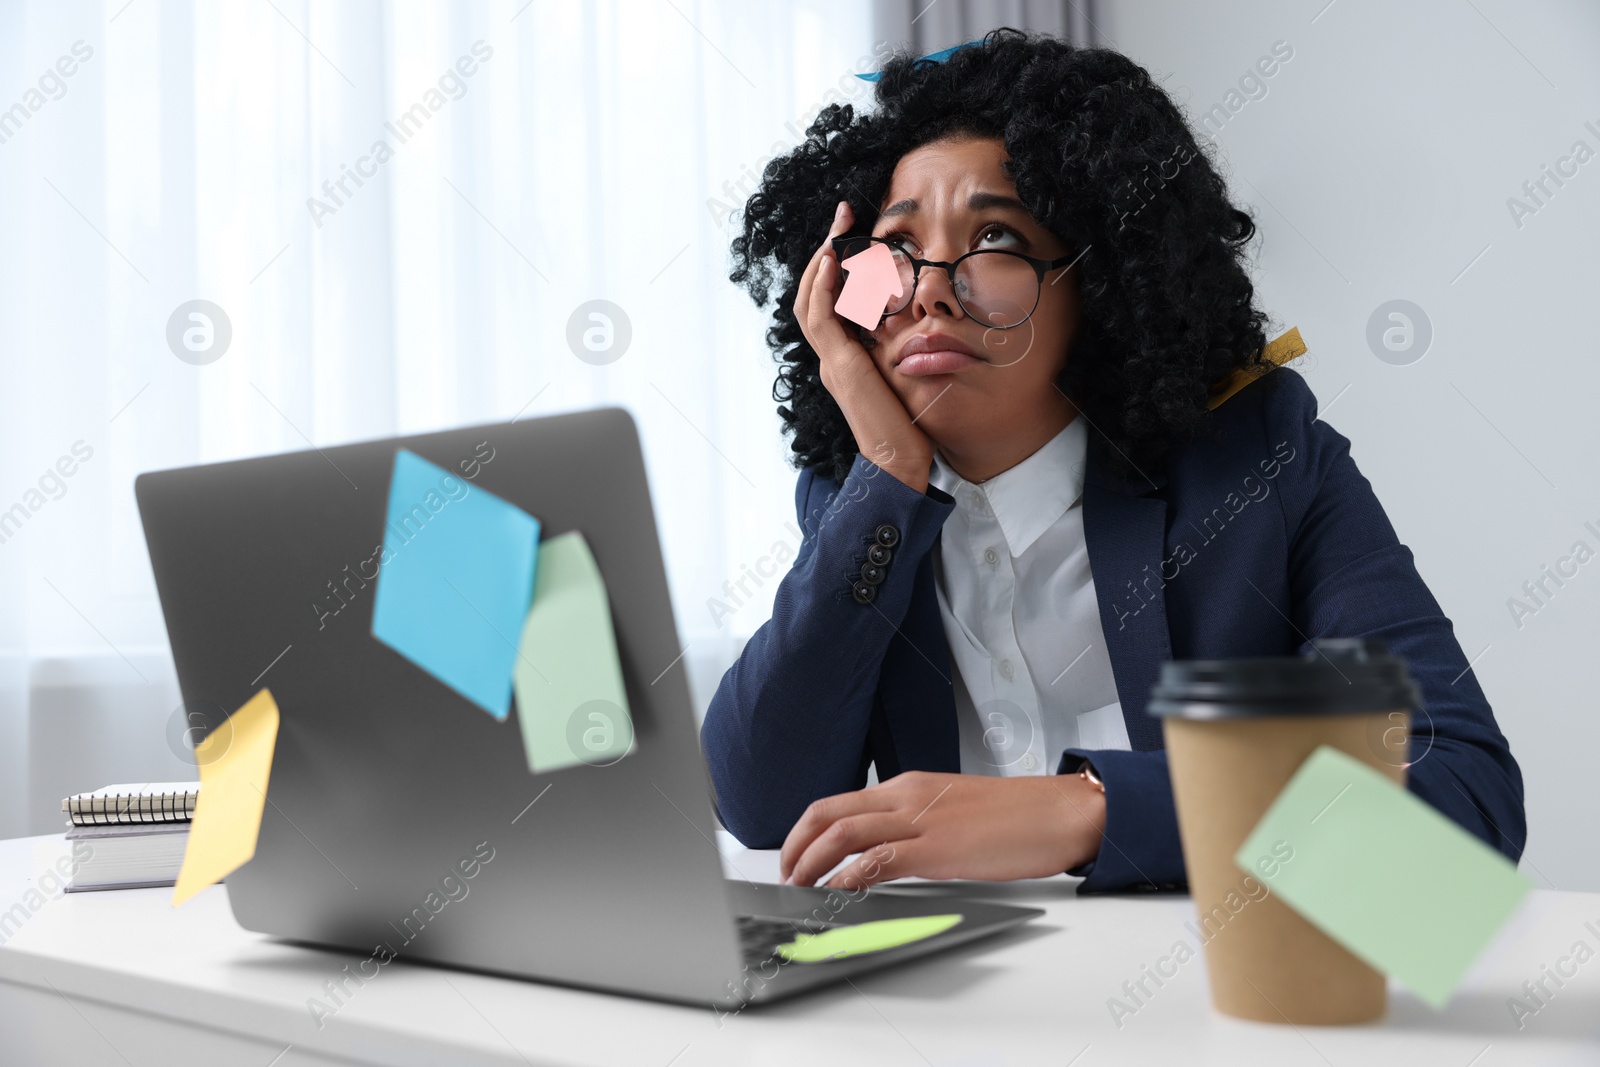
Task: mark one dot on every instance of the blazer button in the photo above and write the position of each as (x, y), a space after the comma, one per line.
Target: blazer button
(879, 555)
(871, 573)
(863, 591)
(887, 536)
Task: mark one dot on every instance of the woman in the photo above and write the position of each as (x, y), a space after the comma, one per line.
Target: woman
(1018, 499)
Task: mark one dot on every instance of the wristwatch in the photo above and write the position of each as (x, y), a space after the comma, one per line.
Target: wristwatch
(1087, 773)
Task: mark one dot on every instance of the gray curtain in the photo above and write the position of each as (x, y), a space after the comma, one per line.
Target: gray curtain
(931, 25)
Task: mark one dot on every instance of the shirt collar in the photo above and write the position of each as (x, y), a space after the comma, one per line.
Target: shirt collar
(1029, 498)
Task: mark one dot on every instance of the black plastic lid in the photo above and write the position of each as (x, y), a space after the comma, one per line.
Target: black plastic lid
(1337, 676)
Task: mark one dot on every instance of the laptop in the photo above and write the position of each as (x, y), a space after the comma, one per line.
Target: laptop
(402, 821)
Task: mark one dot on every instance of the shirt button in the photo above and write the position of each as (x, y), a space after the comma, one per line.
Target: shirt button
(1028, 762)
(1005, 669)
(989, 555)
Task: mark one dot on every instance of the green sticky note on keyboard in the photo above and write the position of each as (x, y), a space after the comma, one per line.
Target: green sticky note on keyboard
(840, 942)
(1383, 873)
(572, 706)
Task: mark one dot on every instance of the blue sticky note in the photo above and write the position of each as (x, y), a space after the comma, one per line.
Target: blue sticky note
(932, 57)
(455, 580)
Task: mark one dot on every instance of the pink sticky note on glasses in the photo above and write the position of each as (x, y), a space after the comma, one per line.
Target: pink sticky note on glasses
(873, 280)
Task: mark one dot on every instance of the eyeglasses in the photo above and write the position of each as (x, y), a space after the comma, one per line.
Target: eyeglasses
(992, 285)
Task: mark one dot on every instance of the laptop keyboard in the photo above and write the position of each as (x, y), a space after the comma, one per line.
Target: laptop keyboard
(760, 935)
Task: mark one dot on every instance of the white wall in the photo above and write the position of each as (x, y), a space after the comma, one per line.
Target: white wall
(1379, 164)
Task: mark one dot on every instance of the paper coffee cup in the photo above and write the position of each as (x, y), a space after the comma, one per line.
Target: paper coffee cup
(1236, 731)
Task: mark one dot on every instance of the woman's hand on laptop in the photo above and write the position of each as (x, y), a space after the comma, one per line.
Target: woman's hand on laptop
(947, 826)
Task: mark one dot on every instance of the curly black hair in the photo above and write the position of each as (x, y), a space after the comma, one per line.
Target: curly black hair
(1102, 157)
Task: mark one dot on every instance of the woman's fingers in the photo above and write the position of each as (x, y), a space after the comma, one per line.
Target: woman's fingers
(842, 218)
(827, 333)
(845, 837)
(882, 426)
(880, 863)
(822, 814)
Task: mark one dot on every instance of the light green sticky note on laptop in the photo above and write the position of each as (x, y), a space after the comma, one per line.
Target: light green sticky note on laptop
(859, 939)
(572, 706)
(1381, 872)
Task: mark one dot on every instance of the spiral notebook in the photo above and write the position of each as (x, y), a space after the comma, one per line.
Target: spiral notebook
(146, 802)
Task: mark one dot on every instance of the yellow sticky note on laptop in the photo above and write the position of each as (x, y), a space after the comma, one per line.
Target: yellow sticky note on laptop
(235, 761)
(572, 706)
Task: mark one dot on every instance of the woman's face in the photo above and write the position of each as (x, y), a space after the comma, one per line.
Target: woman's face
(946, 198)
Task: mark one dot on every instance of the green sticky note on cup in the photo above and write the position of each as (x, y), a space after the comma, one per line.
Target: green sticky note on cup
(572, 706)
(1383, 873)
(857, 939)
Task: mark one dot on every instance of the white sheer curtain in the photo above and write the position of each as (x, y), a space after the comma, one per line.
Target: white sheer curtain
(591, 153)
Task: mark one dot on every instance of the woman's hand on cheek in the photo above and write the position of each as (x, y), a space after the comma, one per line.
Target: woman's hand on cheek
(947, 826)
(882, 427)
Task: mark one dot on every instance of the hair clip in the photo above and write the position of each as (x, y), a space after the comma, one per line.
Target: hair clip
(931, 57)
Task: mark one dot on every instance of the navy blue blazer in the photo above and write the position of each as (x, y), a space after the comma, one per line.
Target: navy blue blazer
(1248, 546)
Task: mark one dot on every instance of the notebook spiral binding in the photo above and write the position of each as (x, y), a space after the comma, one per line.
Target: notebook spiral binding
(117, 808)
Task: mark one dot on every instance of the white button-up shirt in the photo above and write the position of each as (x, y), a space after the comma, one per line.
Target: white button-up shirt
(1032, 676)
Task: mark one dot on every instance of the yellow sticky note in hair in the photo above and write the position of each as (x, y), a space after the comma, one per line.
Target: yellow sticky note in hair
(1288, 346)
(235, 761)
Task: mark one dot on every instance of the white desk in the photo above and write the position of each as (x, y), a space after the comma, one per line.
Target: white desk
(120, 977)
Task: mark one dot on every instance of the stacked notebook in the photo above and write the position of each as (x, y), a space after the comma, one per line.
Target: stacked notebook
(133, 836)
